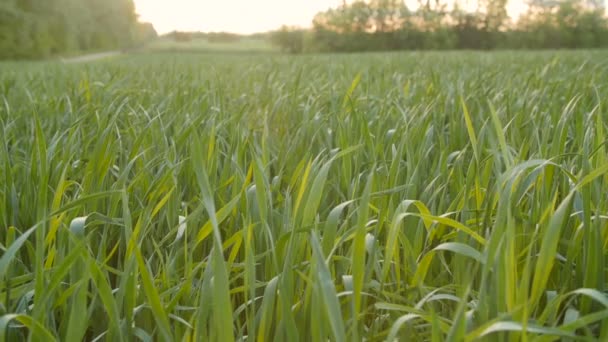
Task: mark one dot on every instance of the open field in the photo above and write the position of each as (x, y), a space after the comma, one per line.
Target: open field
(91, 57)
(456, 196)
(245, 45)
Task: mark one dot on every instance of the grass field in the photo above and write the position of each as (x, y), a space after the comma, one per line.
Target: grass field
(455, 196)
(244, 45)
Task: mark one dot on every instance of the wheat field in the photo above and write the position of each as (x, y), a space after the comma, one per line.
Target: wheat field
(456, 196)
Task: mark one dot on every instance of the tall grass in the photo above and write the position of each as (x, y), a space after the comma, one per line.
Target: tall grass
(416, 196)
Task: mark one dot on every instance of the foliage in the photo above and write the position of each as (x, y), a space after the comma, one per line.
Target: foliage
(213, 37)
(565, 25)
(289, 39)
(390, 25)
(406, 196)
(223, 37)
(145, 32)
(41, 28)
(180, 36)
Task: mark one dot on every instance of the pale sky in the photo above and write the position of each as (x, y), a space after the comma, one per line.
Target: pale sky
(238, 16)
(246, 16)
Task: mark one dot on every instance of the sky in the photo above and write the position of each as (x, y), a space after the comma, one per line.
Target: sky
(245, 16)
(238, 16)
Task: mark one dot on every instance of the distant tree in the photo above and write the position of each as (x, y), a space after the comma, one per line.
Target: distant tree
(563, 24)
(469, 29)
(223, 37)
(390, 25)
(145, 32)
(40, 28)
(180, 36)
(10, 20)
(494, 20)
(289, 39)
(494, 14)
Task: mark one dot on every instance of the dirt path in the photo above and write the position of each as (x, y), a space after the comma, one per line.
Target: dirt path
(91, 57)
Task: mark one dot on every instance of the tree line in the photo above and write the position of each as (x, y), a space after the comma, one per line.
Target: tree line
(211, 37)
(43, 28)
(390, 25)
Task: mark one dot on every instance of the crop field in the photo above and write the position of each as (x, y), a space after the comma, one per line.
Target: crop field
(245, 45)
(437, 196)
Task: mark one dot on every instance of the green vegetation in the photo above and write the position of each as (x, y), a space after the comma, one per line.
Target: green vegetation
(241, 45)
(411, 196)
(43, 28)
(383, 25)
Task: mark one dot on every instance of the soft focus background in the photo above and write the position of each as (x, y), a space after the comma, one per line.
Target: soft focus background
(43, 28)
